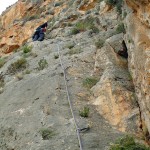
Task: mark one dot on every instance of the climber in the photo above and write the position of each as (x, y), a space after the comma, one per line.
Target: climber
(123, 52)
(39, 33)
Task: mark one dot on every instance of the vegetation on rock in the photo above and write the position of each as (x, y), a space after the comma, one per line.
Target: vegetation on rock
(42, 64)
(27, 49)
(2, 62)
(84, 112)
(117, 4)
(128, 143)
(17, 66)
(120, 28)
(89, 82)
(99, 43)
(1, 80)
(56, 56)
(84, 25)
(47, 133)
(75, 50)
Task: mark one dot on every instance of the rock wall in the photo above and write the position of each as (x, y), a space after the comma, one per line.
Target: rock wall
(138, 41)
(114, 93)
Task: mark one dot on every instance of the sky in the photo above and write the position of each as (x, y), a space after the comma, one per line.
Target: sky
(6, 3)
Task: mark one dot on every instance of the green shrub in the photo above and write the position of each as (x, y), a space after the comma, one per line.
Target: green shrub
(74, 51)
(70, 46)
(69, 24)
(95, 29)
(89, 82)
(47, 134)
(85, 25)
(56, 56)
(119, 8)
(116, 3)
(127, 143)
(42, 64)
(17, 66)
(74, 31)
(99, 43)
(27, 49)
(1, 80)
(111, 2)
(82, 26)
(124, 14)
(120, 28)
(27, 71)
(84, 112)
(2, 62)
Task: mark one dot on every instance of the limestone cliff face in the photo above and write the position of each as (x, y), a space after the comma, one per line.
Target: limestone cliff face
(113, 94)
(138, 39)
(112, 97)
(19, 21)
(141, 9)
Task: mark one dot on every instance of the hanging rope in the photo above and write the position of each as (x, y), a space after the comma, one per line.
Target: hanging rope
(69, 101)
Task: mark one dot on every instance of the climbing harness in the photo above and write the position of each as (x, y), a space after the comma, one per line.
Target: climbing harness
(69, 101)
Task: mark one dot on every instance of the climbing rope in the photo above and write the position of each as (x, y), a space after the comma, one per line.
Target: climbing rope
(69, 101)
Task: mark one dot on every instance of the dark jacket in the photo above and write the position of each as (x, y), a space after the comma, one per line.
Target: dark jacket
(39, 33)
(42, 26)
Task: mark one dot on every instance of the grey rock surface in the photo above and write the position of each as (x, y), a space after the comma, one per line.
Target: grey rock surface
(38, 101)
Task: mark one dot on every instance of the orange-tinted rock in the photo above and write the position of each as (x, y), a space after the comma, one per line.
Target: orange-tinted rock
(138, 29)
(19, 22)
(90, 4)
